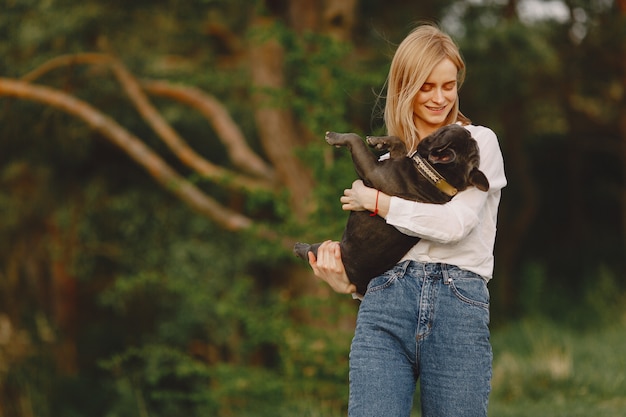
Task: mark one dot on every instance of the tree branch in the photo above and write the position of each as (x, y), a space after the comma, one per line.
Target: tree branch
(132, 146)
(66, 61)
(227, 130)
(171, 138)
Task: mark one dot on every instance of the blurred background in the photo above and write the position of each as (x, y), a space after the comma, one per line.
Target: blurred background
(158, 158)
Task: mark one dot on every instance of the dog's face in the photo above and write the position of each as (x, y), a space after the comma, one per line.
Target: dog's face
(453, 152)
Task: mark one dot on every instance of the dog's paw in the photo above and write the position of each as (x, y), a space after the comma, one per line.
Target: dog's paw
(301, 250)
(335, 139)
(341, 139)
(331, 138)
(377, 142)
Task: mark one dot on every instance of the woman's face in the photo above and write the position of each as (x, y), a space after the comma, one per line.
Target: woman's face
(436, 98)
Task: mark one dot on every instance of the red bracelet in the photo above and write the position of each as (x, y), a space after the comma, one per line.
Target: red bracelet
(375, 212)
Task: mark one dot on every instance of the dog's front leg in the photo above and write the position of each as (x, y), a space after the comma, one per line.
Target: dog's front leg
(364, 160)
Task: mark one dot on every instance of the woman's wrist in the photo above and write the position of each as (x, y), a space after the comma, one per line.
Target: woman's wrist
(375, 211)
(380, 204)
(370, 202)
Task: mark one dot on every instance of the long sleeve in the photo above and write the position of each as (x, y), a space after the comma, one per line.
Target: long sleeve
(445, 223)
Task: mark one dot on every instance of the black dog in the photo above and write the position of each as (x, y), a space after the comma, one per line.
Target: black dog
(369, 245)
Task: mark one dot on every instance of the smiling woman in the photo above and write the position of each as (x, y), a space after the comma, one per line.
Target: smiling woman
(436, 294)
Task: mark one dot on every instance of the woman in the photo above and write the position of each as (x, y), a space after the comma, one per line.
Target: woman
(427, 318)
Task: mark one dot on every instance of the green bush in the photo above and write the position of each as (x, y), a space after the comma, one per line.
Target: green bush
(549, 369)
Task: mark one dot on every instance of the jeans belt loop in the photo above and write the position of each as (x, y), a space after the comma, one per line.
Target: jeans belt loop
(444, 274)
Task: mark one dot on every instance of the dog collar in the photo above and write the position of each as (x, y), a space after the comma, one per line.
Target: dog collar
(433, 176)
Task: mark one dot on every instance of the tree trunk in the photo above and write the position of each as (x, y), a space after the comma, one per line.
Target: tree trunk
(275, 123)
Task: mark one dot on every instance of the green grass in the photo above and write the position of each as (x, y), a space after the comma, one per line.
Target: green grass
(542, 369)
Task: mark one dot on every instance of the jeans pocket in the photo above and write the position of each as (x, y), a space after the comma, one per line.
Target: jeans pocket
(471, 291)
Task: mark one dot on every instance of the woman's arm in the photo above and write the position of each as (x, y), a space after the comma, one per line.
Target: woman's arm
(443, 223)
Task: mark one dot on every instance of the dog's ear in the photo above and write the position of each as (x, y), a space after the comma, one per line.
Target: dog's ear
(478, 179)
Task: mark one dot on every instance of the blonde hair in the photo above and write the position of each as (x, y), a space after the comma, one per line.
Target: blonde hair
(411, 65)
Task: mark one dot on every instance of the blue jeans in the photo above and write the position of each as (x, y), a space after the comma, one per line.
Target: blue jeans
(426, 322)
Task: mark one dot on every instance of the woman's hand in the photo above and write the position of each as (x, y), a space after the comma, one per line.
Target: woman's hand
(329, 267)
(354, 199)
(360, 197)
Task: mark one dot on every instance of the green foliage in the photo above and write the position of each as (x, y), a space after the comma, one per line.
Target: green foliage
(597, 305)
(544, 368)
(183, 329)
(527, 65)
(321, 80)
(603, 298)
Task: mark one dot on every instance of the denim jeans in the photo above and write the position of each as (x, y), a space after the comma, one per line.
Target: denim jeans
(426, 322)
